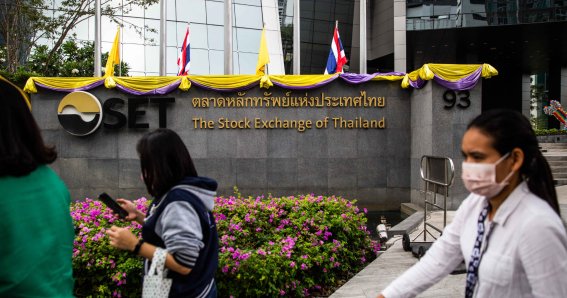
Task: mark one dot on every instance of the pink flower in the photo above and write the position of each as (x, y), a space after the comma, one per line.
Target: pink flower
(303, 266)
(292, 264)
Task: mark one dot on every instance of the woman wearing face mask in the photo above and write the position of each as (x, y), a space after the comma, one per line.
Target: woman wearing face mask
(508, 230)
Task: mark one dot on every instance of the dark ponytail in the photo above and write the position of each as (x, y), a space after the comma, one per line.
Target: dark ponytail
(510, 129)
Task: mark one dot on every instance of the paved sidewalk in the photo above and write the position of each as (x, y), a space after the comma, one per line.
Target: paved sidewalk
(394, 261)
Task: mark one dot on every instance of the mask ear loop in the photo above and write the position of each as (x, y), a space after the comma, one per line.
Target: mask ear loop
(505, 180)
(502, 158)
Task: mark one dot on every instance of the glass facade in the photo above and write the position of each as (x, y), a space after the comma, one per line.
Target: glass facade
(140, 35)
(440, 14)
(317, 23)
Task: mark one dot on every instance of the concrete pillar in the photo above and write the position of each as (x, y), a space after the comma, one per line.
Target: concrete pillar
(437, 131)
(296, 39)
(563, 92)
(163, 38)
(400, 35)
(97, 52)
(526, 95)
(354, 59)
(362, 27)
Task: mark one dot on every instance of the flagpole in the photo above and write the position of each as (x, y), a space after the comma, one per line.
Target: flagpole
(266, 66)
(120, 45)
(296, 39)
(162, 37)
(228, 37)
(363, 52)
(97, 52)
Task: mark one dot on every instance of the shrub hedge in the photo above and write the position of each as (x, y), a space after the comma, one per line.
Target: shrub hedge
(294, 246)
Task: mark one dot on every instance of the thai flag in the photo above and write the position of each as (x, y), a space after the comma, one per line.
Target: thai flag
(337, 56)
(184, 60)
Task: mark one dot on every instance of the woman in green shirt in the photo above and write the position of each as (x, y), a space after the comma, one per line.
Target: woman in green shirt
(36, 231)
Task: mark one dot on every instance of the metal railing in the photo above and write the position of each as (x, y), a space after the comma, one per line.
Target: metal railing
(438, 173)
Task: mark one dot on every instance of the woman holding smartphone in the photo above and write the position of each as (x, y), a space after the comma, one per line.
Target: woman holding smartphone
(179, 219)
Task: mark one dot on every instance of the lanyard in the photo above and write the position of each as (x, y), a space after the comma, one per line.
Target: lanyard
(476, 255)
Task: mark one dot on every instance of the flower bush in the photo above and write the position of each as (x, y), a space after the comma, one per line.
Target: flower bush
(99, 269)
(290, 246)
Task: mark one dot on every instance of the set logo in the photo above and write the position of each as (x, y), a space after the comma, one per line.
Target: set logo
(80, 113)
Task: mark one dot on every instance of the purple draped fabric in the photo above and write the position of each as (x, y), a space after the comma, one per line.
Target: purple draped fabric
(418, 84)
(465, 83)
(159, 91)
(86, 87)
(353, 78)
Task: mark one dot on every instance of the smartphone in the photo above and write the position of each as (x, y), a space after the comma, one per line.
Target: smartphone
(112, 204)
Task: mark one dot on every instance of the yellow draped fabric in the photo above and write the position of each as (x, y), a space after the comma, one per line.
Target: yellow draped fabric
(488, 71)
(185, 83)
(225, 82)
(263, 55)
(109, 82)
(145, 84)
(448, 72)
(59, 83)
(265, 82)
(114, 55)
(387, 78)
(301, 80)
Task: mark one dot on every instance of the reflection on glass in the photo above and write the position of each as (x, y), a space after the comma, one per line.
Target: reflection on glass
(172, 34)
(217, 59)
(248, 40)
(191, 11)
(131, 32)
(235, 66)
(247, 63)
(199, 62)
(133, 54)
(152, 37)
(215, 13)
(108, 29)
(171, 61)
(249, 2)
(171, 12)
(216, 37)
(82, 30)
(153, 11)
(152, 58)
(198, 36)
(248, 16)
(133, 10)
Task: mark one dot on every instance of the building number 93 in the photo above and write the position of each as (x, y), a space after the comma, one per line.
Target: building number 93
(459, 98)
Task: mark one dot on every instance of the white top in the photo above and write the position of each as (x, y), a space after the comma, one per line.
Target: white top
(526, 254)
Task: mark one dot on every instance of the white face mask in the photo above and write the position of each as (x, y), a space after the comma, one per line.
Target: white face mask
(480, 178)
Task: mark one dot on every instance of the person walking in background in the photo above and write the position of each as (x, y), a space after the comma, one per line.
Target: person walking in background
(508, 230)
(179, 219)
(36, 229)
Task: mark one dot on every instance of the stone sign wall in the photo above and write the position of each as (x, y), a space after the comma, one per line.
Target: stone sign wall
(358, 141)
